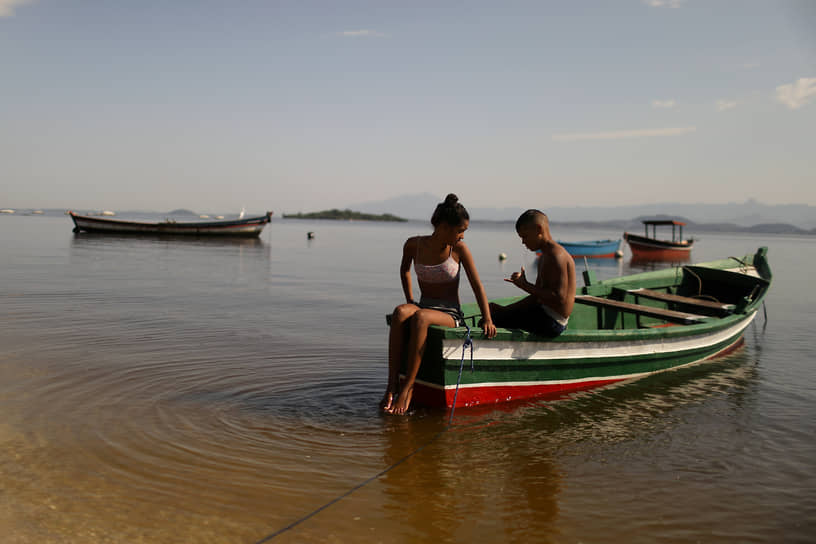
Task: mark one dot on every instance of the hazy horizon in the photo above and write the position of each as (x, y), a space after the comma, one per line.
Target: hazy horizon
(368, 204)
(417, 207)
(309, 105)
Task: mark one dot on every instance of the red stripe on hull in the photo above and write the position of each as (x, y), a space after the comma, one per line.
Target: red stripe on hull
(655, 254)
(733, 347)
(475, 396)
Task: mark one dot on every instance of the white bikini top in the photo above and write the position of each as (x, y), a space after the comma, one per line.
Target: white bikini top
(444, 272)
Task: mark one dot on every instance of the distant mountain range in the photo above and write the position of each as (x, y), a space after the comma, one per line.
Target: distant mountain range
(750, 216)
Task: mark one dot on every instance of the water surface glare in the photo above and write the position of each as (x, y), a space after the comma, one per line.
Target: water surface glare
(216, 391)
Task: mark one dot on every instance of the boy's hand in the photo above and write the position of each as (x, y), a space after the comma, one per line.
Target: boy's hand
(519, 279)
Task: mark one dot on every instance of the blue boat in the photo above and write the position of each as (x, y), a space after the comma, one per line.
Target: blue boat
(594, 248)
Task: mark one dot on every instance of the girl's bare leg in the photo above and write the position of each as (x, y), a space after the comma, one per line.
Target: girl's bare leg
(396, 338)
(416, 347)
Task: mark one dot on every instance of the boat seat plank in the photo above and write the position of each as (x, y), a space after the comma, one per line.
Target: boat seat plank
(648, 311)
(688, 301)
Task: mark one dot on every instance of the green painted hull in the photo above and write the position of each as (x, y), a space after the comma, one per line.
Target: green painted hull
(602, 344)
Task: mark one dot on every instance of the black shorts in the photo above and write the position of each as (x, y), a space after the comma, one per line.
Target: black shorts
(531, 319)
(445, 307)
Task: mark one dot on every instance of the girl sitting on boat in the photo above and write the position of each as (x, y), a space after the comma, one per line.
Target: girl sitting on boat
(437, 259)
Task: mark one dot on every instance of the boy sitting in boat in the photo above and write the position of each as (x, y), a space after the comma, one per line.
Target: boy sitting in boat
(547, 308)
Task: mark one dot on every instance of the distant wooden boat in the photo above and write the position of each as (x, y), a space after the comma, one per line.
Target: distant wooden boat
(653, 249)
(594, 248)
(251, 226)
(620, 329)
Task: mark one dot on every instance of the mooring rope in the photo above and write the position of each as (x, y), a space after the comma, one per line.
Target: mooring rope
(743, 265)
(764, 311)
(468, 342)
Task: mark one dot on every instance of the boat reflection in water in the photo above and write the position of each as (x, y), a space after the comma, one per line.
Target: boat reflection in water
(484, 461)
(603, 266)
(647, 264)
(98, 238)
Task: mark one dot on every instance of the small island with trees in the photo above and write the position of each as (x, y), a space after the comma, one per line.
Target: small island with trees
(345, 215)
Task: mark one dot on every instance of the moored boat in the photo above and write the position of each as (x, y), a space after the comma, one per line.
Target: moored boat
(251, 226)
(595, 249)
(656, 249)
(620, 329)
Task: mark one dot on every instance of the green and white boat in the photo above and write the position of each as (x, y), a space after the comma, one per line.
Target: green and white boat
(620, 329)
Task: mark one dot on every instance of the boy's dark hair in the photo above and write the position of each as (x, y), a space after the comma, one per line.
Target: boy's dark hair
(530, 217)
(450, 212)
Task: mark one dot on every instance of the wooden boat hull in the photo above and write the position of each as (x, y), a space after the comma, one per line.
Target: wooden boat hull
(552, 368)
(595, 249)
(651, 249)
(238, 227)
(602, 345)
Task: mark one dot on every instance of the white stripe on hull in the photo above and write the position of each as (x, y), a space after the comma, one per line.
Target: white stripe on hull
(498, 350)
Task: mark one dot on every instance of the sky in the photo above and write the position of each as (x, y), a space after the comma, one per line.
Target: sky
(301, 105)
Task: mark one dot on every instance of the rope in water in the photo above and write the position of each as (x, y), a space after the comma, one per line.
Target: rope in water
(468, 342)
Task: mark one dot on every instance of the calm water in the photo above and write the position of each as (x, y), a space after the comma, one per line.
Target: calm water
(192, 391)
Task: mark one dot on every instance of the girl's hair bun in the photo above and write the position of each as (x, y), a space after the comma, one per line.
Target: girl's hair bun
(450, 212)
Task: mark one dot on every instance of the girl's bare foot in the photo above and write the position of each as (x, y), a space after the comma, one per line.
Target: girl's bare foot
(387, 401)
(403, 402)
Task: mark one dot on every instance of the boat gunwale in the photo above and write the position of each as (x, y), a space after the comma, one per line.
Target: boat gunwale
(711, 324)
